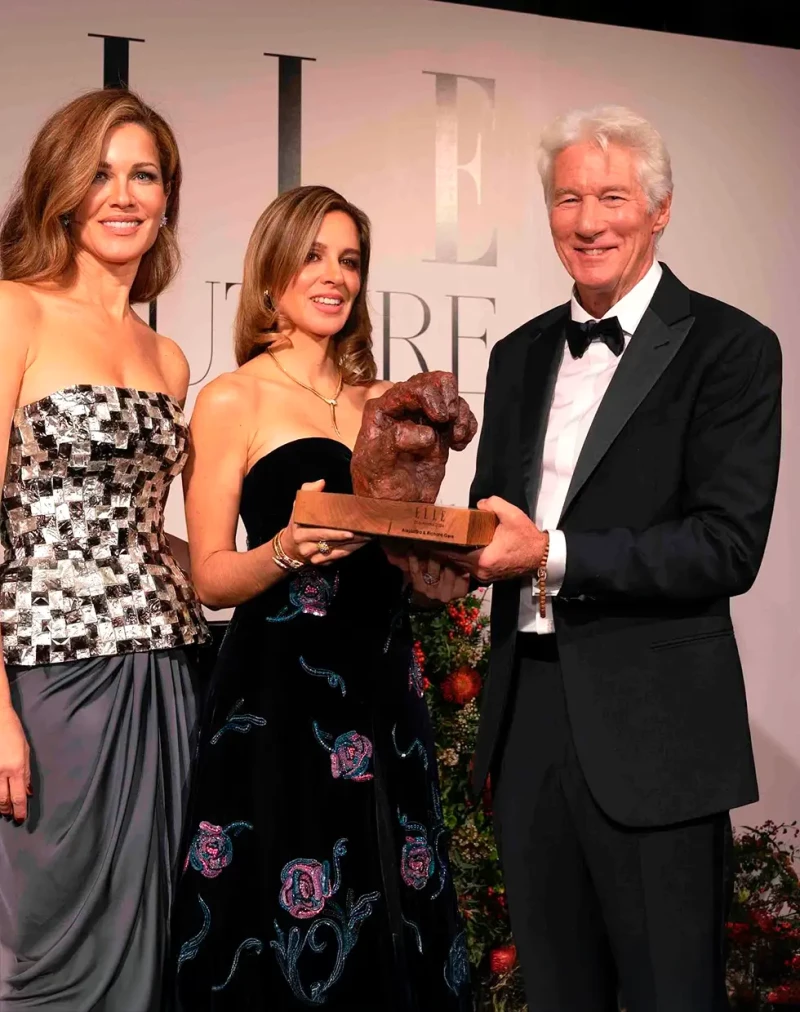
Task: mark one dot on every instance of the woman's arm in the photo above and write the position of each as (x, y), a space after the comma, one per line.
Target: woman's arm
(17, 320)
(221, 432)
(212, 485)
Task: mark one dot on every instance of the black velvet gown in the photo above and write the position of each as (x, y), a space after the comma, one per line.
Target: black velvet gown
(316, 869)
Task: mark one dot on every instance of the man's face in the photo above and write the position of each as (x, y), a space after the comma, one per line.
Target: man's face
(603, 230)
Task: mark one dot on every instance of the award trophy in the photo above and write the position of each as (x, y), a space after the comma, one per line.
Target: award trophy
(398, 466)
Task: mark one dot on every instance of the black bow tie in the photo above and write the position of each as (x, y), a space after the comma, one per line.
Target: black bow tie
(581, 335)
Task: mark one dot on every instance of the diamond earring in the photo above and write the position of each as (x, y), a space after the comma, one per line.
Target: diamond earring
(163, 220)
(64, 219)
(268, 301)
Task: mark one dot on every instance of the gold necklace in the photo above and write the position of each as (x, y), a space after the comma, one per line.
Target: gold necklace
(332, 402)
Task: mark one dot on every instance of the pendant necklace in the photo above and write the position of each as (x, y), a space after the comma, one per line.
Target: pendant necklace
(332, 402)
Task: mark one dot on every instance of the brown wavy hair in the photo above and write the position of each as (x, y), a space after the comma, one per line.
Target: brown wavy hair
(277, 251)
(63, 161)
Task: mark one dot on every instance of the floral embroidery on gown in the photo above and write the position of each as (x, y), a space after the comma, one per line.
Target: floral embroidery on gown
(316, 869)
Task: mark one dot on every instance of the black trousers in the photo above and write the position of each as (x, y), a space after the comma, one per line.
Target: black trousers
(603, 916)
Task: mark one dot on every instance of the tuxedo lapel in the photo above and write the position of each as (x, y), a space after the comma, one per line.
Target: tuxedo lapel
(539, 379)
(657, 340)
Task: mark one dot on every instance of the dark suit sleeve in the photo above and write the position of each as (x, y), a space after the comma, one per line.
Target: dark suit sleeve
(483, 484)
(731, 469)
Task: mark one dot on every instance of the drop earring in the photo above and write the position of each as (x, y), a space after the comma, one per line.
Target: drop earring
(268, 303)
(64, 219)
(163, 220)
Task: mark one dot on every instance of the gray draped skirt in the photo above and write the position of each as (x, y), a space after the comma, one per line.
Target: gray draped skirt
(86, 882)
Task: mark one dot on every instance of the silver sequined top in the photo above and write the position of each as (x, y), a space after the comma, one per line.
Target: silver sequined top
(87, 570)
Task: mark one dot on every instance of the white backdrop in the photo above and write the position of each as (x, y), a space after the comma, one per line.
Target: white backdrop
(426, 114)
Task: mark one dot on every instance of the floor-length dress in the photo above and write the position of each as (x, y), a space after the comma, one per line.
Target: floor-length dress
(98, 624)
(316, 871)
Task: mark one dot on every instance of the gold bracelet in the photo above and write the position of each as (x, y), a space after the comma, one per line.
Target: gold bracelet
(279, 556)
(541, 575)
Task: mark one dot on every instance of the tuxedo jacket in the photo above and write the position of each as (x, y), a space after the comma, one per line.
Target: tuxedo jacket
(666, 518)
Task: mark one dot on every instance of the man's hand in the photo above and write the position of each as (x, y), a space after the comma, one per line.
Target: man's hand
(515, 550)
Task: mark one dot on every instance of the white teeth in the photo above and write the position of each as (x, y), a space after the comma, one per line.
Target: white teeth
(327, 302)
(593, 252)
(121, 224)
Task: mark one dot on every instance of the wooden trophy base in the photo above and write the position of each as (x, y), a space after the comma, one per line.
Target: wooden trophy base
(414, 521)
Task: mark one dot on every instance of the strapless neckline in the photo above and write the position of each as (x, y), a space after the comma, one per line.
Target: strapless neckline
(23, 409)
(293, 442)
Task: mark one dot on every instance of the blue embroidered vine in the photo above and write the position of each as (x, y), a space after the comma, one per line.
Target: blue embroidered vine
(240, 722)
(334, 680)
(415, 930)
(190, 948)
(252, 944)
(416, 678)
(438, 831)
(456, 969)
(395, 623)
(415, 746)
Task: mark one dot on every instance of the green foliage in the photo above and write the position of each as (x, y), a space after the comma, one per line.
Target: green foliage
(452, 649)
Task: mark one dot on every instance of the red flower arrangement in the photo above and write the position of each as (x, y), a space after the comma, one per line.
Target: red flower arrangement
(461, 685)
(503, 959)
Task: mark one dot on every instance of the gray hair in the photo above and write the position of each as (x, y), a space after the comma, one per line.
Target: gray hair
(604, 125)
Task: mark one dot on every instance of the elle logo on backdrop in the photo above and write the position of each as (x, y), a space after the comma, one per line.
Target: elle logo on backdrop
(450, 175)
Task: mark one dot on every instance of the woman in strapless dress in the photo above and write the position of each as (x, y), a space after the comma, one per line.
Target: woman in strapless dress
(98, 703)
(316, 868)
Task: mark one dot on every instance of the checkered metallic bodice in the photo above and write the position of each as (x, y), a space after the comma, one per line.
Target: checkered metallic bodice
(87, 569)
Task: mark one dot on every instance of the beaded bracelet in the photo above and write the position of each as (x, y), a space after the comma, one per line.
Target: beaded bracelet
(541, 575)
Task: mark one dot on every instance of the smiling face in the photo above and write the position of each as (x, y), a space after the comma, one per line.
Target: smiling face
(603, 230)
(118, 220)
(320, 297)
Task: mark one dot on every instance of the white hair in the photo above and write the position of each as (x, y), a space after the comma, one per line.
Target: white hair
(604, 125)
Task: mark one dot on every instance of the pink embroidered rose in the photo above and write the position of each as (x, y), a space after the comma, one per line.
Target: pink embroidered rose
(350, 757)
(211, 850)
(306, 886)
(416, 862)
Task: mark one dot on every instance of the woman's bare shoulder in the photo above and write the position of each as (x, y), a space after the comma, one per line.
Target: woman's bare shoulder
(230, 392)
(20, 312)
(18, 298)
(377, 388)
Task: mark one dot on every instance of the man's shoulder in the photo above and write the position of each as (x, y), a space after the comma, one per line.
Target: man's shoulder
(730, 333)
(531, 328)
(713, 316)
(707, 308)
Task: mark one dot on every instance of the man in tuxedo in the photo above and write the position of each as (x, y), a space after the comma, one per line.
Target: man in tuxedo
(632, 463)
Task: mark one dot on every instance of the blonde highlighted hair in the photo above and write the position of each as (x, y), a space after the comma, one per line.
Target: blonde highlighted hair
(62, 163)
(278, 248)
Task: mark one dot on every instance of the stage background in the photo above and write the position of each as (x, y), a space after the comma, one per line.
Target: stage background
(427, 114)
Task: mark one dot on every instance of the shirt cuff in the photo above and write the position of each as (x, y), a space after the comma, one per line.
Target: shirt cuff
(556, 562)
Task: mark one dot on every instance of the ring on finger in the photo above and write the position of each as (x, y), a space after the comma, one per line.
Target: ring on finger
(430, 579)
(323, 547)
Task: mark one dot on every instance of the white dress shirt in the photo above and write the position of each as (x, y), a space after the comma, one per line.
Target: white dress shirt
(580, 386)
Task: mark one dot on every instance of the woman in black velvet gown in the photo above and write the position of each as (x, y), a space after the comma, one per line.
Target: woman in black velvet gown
(316, 869)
